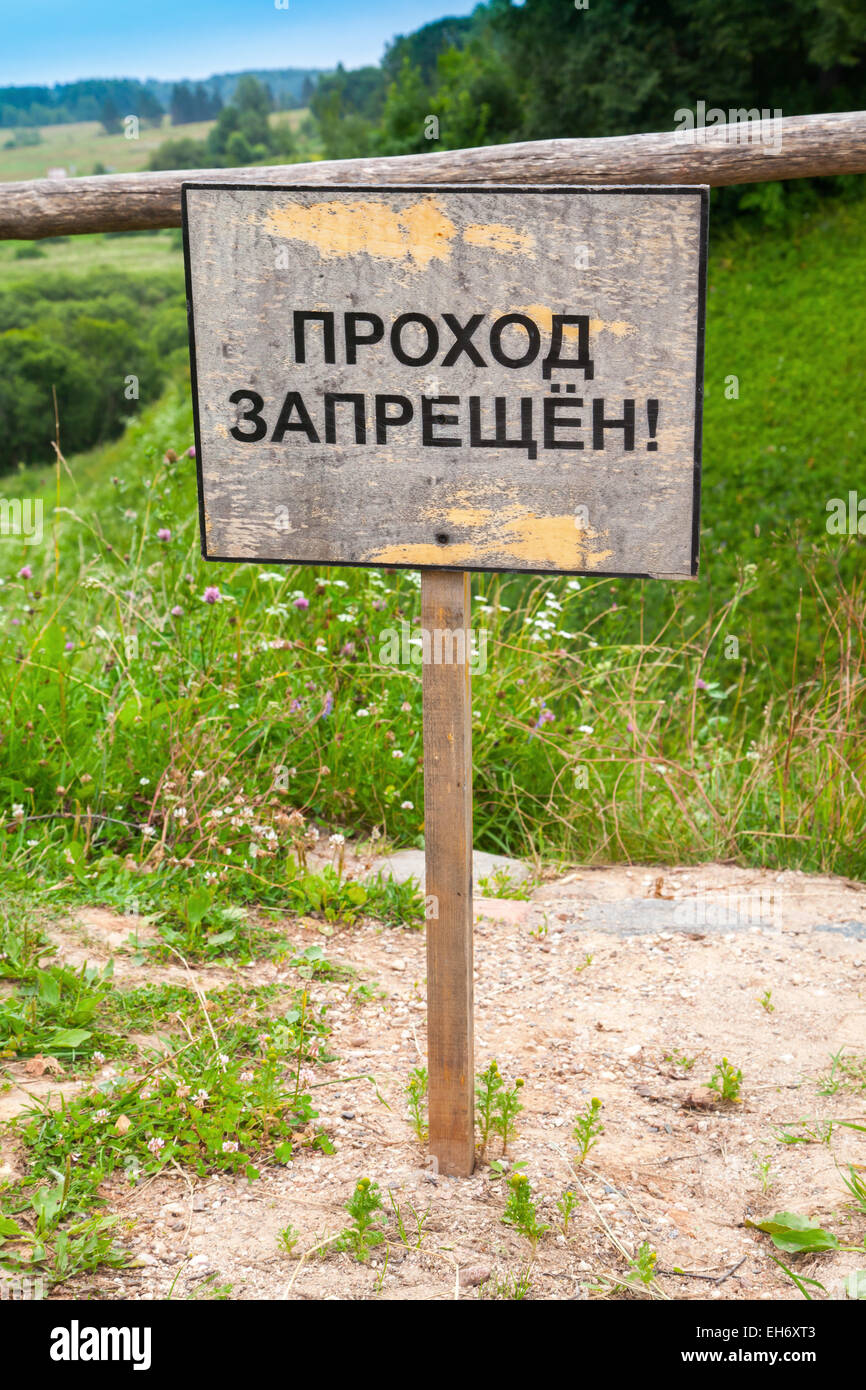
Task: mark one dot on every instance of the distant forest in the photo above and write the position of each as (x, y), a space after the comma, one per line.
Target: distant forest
(92, 98)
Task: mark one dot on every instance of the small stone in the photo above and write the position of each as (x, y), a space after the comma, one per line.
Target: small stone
(473, 1275)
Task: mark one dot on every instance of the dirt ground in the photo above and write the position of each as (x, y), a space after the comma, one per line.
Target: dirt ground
(679, 962)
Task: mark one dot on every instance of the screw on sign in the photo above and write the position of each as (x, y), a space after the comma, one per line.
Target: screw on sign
(449, 379)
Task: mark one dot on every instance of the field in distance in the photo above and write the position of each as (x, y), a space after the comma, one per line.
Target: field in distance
(132, 252)
(80, 146)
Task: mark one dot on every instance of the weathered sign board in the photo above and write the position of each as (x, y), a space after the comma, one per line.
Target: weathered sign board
(449, 379)
(467, 378)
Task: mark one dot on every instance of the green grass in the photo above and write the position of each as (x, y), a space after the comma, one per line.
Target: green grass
(222, 1098)
(217, 1082)
(665, 743)
(139, 254)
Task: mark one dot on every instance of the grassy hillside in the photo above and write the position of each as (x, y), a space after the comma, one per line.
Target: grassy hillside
(615, 720)
(143, 253)
(78, 147)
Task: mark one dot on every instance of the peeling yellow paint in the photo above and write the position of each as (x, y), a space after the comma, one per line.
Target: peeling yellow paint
(414, 236)
(539, 313)
(495, 237)
(510, 535)
(618, 327)
(469, 516)
(543, 316)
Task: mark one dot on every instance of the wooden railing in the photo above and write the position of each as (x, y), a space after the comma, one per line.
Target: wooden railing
(792, 147)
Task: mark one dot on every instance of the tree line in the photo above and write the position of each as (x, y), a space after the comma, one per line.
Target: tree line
(547, 68)
(86, 100)
(76, 101)
(242, 134)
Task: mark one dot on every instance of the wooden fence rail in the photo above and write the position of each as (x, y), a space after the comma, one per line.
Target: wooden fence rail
(794, 147)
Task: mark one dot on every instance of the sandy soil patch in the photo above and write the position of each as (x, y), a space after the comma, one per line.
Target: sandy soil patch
(679, 962)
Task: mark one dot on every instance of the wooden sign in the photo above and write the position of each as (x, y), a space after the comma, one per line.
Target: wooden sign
(463, 378)
(448, 379)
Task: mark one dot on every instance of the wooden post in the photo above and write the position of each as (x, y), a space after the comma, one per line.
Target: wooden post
(447, 694)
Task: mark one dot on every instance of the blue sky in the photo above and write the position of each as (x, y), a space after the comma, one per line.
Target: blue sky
(44, 41)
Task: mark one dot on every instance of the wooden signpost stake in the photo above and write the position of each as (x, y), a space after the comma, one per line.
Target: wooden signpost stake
(483, 378)
(445, 607)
